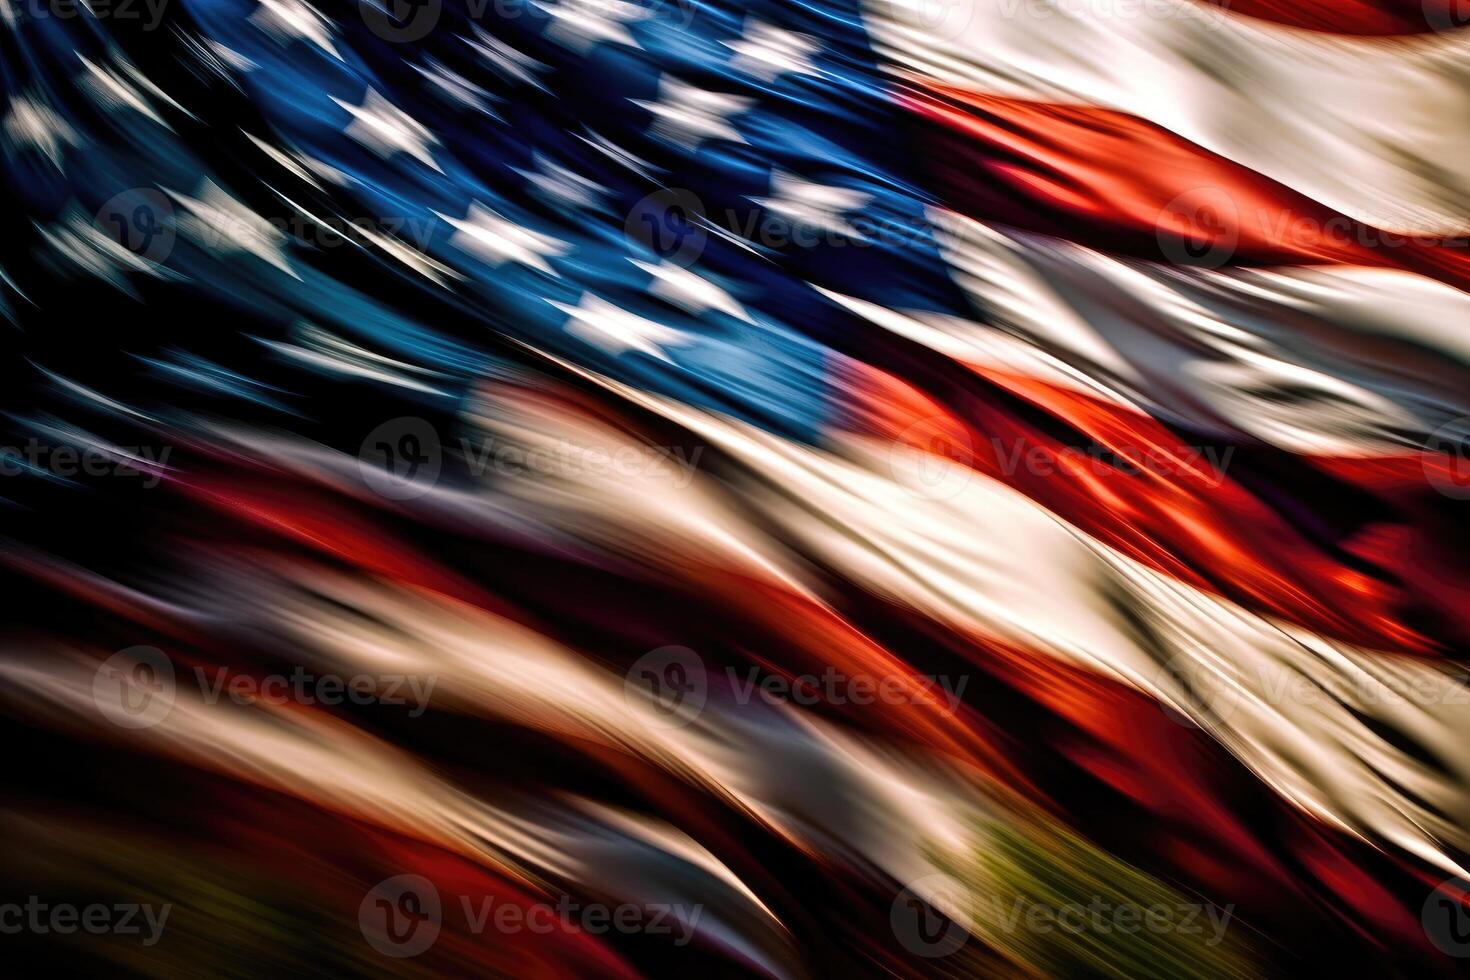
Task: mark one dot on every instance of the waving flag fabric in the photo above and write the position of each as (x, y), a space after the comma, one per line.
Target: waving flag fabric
(649, 487)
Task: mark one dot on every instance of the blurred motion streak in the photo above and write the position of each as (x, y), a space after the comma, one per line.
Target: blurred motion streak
(659, 487)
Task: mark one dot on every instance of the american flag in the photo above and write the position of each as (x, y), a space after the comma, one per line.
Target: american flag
(657, 487)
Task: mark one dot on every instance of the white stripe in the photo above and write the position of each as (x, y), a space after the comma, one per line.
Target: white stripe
(637, 858)
(1336, 360)
(988, 561)
(1363, 125)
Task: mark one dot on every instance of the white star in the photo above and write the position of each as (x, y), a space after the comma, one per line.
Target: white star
(506, 61)
(290, 20)
(455, 86)
(563, 185)
(90, 249)
(493, 239)
(813, 205)
(386, 129)
(116, 90)
(688, 115)
(283, 159)
(619, 155)
(231, 58)
(582, 24)
(221, 223)
(688, 289)
(615, 330)
(767, 51)
(35, 123)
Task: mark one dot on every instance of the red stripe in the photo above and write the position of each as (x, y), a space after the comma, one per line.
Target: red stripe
(1364, 17)
(1381, 587)
(1118, 183)
(1282, 867)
